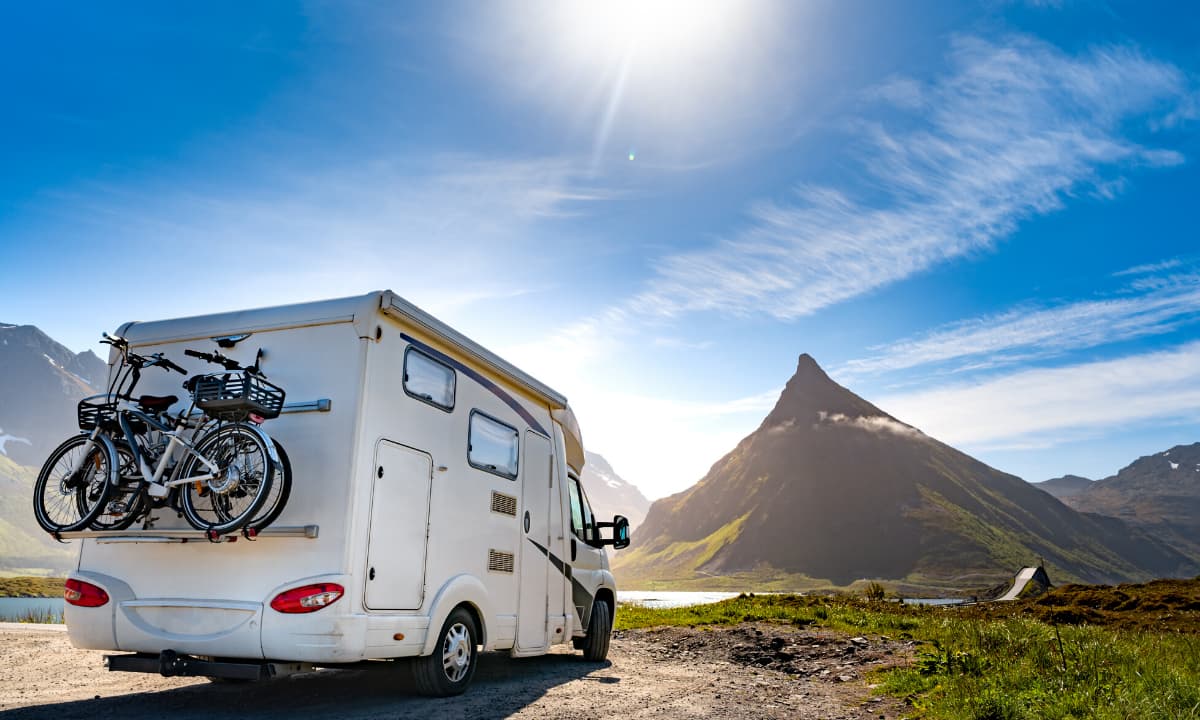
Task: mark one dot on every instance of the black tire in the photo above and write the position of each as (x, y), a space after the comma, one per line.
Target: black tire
(281, 490)
(65, 500)
(226, 503)
(449, 669)
(595, 647)
(126, 501)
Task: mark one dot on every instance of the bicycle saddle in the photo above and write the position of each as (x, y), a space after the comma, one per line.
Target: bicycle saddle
(154, 403)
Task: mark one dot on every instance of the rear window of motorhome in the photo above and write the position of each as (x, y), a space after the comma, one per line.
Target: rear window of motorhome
(428, 380)
(492, 446)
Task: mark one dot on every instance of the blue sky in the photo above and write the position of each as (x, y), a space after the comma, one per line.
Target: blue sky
(980, 218)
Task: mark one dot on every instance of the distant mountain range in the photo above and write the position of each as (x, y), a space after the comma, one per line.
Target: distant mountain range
(609, 494)
(831, 489)
(41, 382)
(1065, 486)
(1159, 494)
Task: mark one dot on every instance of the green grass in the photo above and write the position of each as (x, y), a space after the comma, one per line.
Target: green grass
(989, 669)
(31, 586)
(39, 615)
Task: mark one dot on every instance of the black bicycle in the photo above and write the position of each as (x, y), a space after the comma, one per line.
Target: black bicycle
(217, 467)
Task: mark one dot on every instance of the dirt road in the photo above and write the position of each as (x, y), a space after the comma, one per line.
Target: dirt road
(752, 671)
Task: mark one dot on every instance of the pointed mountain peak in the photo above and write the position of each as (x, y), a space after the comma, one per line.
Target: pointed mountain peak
(811, 391)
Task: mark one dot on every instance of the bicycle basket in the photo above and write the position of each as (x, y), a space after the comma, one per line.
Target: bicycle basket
(237, 395)
(97, 410)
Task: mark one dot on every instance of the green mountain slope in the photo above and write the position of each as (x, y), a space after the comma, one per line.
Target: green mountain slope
(24, 547)
(831, 488)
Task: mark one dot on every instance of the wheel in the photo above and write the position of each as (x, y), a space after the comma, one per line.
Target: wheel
(595, 646)
(281, 489)
(74, 483)
(236, 492)
(450, 668)
(126, 501)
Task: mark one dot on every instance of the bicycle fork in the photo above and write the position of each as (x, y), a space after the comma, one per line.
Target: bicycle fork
(76, 472)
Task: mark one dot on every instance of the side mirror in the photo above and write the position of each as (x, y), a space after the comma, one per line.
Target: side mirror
(620, 538)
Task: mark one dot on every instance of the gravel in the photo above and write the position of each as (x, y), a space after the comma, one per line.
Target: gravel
(748, 671)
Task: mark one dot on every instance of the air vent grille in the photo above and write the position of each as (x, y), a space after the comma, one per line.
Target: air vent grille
(500, 561)
(504, 504)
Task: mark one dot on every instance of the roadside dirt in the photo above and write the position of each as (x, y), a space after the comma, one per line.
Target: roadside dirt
(749, 671)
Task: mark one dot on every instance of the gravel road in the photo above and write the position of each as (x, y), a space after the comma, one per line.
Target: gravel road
(750, 671)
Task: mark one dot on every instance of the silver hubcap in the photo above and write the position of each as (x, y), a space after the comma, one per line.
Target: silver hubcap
(456, 652)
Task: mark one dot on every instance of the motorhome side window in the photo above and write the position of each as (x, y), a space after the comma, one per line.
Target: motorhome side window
(492, 446)
(583, 524)
(428, 380)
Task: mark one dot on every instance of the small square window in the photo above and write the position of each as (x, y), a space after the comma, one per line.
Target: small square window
(492, 446)
(428, 380)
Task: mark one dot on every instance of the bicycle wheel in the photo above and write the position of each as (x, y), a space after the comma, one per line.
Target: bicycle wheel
(126, 502)
(240, 486)
(74, 484)
(281, 489)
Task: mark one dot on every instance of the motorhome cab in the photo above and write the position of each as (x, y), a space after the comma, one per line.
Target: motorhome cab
(436, 510)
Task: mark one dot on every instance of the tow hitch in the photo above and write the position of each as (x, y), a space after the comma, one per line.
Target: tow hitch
(169, 663)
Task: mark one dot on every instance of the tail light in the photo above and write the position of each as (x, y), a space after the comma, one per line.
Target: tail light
(84, 594)
(309, 598)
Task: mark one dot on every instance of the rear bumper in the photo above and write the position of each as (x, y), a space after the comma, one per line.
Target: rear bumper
(237, 628)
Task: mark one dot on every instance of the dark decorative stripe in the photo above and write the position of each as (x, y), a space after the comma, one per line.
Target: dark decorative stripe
(477, 377)
(580, 597)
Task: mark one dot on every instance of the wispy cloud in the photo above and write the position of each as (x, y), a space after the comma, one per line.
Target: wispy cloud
(1011, 132)
(1149, 268)
(455, 230)
(1027, 333)
(875, 424)
(1036, 408)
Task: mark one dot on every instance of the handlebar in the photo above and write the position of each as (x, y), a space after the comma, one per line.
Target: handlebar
(172, 366)
(215, 359)
(227, 363)
(114, 340)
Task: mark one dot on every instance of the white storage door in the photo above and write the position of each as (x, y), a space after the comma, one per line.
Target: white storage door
(395, 574)
(535, 526)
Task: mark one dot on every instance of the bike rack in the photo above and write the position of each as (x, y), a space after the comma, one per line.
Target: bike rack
(183, 535)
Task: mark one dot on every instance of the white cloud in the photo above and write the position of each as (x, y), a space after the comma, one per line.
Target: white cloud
(871, 423)
(1027, 333)
(1038, 408)
(1013, 131)
(1149, 268)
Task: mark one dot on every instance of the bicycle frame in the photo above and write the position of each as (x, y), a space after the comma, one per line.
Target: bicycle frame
(153, 477)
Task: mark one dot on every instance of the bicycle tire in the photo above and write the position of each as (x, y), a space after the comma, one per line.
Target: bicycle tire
(78, 497)
(281, 490)
(126, 501)
(247, 471)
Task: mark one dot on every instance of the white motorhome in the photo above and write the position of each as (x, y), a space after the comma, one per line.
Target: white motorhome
(436, 509)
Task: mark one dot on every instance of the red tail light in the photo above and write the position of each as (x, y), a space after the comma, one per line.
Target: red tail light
(309, 598)
(84, 594)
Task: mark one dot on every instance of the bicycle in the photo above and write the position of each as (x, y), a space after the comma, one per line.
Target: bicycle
(131, 450)
(242, 394)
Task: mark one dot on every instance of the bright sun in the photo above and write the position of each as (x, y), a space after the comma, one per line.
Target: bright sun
(673, 78)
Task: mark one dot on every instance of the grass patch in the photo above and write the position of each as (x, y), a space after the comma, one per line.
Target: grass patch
(969, 666)
(38, 615)
(31, 587)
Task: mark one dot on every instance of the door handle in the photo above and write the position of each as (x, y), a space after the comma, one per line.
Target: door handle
(371, 574)
(573, 549)
(527, 521)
